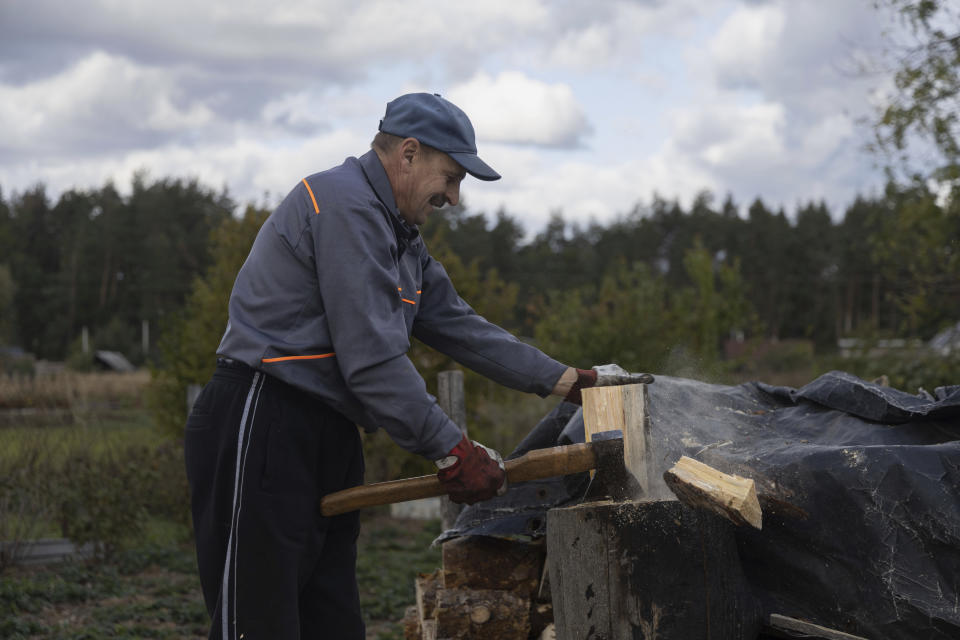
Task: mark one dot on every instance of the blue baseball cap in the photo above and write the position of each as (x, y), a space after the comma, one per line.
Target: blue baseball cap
(440, 124)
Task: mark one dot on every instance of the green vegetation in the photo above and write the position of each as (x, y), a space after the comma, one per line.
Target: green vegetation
(148, 592)
(188, 344)
(112, 480)
(391, 554)
(922, 115)
(152, 590)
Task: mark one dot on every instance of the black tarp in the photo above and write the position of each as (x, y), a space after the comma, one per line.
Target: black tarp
(859, 484)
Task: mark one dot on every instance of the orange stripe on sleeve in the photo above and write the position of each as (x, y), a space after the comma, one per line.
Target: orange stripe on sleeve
(316, 209)
(408, 301)
(283, 358)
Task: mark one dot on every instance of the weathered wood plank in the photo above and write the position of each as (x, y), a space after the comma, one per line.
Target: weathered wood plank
(44, 550)
(701, 486)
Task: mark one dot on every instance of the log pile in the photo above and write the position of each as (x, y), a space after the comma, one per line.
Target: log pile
(486, 588)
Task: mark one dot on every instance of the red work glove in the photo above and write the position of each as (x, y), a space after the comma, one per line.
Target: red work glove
(586, 378)
(471, 472)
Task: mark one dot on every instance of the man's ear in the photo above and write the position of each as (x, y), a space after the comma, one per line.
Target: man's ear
(408, 149)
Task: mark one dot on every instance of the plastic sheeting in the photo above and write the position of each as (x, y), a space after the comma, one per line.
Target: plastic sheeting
(859, 485)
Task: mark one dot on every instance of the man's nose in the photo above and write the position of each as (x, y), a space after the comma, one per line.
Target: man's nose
(453, 195)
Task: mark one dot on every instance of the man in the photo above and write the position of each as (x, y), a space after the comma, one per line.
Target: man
(320, 320)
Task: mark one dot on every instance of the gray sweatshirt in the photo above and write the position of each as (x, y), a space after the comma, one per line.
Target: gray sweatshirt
(333, 288)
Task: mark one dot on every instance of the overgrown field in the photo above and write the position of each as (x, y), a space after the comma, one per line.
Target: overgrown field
(152, 591)
(81, 458)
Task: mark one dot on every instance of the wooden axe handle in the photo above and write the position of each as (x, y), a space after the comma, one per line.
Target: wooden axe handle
(533, 465)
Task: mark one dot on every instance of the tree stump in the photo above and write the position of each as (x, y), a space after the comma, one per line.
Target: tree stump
(646, 570)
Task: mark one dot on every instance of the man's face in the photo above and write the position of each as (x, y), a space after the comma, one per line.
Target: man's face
(429, 180)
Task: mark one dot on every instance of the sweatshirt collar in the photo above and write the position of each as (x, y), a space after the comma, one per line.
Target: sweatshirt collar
(377, 177)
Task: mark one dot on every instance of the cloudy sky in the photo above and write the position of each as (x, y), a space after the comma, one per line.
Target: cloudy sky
(584, 107)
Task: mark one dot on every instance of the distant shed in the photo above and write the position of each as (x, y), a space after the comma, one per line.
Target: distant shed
(114, 361)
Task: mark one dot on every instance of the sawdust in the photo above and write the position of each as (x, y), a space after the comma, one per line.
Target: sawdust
(854, 457)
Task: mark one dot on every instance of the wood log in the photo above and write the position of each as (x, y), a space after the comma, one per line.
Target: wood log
(429, 629)
(623, 408)
(701, 486)
(482, 613)
(541, 617)
(425, 586)
(645, 570)
(411, 624)
(786, 627)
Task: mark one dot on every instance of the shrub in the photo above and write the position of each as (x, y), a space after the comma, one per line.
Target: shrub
(106, 498)
(99, 499)
(907, 370)
(24, 511)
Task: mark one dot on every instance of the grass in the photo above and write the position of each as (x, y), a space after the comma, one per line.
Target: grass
(152, 591)
(148, 592)
(98, 434)
(391, 554)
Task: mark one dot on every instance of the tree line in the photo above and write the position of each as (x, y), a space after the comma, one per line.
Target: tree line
(100, 260)
(888, 265)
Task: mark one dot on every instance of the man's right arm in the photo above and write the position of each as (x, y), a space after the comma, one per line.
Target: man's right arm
(355, 248)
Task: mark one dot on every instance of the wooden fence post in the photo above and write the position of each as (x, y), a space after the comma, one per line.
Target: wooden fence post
(451, 398)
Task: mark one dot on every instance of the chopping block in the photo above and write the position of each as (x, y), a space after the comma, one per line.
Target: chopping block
(643, 568)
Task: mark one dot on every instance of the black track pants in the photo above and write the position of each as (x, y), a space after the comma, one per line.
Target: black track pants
(260, 455)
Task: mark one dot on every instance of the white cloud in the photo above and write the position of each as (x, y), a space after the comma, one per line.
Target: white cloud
(249, 165)
(732, 136)
(584, 49)
(583, 107)
(534, 186)
(514, 108)
(745, 43)
(101, 102)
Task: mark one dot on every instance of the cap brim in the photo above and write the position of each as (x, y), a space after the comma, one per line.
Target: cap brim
(475, 166)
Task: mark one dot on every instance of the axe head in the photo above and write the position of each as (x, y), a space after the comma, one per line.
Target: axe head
(612, 479)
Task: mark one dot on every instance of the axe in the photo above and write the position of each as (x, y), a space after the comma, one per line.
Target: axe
(603, 454)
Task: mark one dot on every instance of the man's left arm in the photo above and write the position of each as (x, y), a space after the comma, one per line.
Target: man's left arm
(449, 325)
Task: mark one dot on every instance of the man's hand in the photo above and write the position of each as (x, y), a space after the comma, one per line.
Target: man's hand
(471, 473)
(604, 375)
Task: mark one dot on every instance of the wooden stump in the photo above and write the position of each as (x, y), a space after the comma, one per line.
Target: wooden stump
(646, 570)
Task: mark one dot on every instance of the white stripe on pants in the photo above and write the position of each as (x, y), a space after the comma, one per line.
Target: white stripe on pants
(243, 441)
